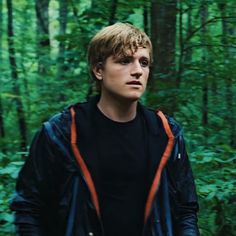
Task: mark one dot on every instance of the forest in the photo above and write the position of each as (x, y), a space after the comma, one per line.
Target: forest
(43, 69)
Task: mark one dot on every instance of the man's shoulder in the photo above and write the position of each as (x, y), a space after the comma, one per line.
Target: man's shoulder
(174, 125)
(64, 116)
(155, 120)
(61, 121)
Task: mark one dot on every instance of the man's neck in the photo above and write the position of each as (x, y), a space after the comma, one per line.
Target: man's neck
(117, 109)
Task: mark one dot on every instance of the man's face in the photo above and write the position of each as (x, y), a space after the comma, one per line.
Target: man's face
(125, 77)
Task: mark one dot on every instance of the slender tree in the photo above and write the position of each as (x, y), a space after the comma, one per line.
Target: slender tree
(23, 58)
(2, 125)
(15, 80)
(226, 32)
(112, 17)
(146, 18)
(203, 16)
(188, 53)
(62, 67)
(181, 45)
(43, 47)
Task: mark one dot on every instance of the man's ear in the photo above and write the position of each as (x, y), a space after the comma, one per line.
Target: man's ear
(97, 70)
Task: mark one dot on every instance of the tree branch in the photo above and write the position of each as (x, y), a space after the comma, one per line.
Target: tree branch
(215, 19)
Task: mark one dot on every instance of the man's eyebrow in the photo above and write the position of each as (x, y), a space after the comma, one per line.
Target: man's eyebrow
(130, 57)
(146, 58)
(122, 57)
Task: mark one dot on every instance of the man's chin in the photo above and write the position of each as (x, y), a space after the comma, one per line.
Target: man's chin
(133, 98)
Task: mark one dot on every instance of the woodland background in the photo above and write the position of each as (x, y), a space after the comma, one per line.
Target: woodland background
(43, 69)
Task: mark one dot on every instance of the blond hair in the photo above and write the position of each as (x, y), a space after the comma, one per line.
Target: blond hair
(116, 40)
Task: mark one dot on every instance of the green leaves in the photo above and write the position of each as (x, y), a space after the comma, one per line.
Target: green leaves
(215, 173)
(210, 145)
(11, 170)
(8, 175)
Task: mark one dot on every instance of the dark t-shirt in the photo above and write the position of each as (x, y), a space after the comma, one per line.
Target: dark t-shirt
(122, 166)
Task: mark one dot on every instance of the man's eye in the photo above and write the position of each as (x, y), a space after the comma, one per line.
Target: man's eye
(144, 63)
(124, 61)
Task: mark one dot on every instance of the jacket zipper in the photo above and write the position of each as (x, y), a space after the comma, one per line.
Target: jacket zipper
(164, 159)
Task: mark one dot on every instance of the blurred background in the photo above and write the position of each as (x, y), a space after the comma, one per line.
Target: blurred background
(43, 69)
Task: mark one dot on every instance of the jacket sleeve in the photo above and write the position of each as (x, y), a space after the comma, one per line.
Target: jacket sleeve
(34, 188)
(184, 197)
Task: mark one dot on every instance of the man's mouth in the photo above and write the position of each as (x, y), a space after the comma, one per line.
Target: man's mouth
(134, 82)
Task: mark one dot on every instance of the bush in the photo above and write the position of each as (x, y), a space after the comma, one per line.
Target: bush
(8, 174)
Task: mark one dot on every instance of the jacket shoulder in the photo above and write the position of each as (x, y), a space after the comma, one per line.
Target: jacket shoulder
(174, 125)
(157, 121)
(64, 117)
(60, 122)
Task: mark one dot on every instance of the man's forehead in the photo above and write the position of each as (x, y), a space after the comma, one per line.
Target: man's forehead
(143, 51)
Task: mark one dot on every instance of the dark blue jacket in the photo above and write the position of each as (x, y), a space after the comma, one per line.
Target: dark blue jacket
(55, 194)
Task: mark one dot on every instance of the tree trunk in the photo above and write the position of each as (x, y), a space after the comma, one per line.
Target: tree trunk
(181, 46)
(22, 61)
(188, 52)
(163, 35)
(112, 18)
(43, 49)
(2, 125)
(145, 18)
(204, 15)
(226, 30)
(163, 17)
(62, 67)
(14, 75)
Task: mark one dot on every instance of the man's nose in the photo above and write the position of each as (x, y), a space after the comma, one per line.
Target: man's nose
(137, 70)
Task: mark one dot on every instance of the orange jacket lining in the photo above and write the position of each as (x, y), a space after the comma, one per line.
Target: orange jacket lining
(164, 159)
(82, 164)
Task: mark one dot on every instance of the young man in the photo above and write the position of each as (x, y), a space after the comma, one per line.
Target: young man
(110, 166)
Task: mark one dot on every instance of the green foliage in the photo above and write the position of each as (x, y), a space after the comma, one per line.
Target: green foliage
(216, 182)
(202, 58)
(8, 174)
